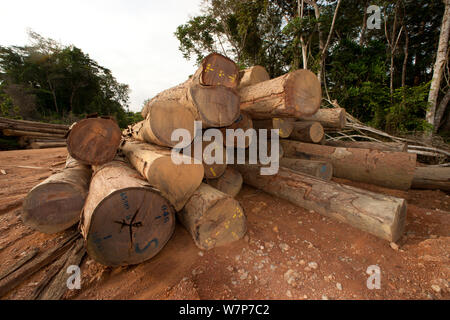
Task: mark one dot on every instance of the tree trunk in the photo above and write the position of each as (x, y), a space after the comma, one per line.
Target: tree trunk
(381, 215)
(438, 69)
(386, 169)
(209, 95)
(213, 218)
(125, 221)
(382, 146)
(34, 124)
(49, 144)
(21, 133)
(284, 125)
(230, 182)
(244, 122)
(94, 141)
(319, 169)
(431, 178)
(295, 94)
(441, 109)
(55, 204)
(176, 182)
(334, 118)
(405, 59)
(253, 75)
(307, 131)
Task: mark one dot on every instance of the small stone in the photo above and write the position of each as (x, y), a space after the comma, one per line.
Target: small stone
(272, 267)
(394, 246)
(200, 253)
(284, 247)
(275, 229)
(246, 238)
(300, 222)
(302, 262)
(436, 288)
(313, 265)
(290, 276)
(237, 258)
(230, 268)
(324, 297)
(339, 286)
(289, 293)
(428, 213)
(307, 269)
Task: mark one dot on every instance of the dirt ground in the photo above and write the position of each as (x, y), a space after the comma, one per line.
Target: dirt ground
(288, 252)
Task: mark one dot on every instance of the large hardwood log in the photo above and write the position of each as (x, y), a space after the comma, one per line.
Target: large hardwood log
(213, 218)
(386, 169)
(125, 221)
(252, 75)
(55, 204)
(176, 182)
(209, 95)
(284, 125)
(332, 118)
(244, 122)
(382, 146)
(307, 131)
(381, 215)
(295, 94)
(230, 182)
(319, 169)
(431, 178)
(209, 153)
(94, 140)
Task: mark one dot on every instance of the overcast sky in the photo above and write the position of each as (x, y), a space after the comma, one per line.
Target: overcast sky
(133, 38)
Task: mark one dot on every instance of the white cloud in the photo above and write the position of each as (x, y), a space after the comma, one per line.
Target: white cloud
(134, 39)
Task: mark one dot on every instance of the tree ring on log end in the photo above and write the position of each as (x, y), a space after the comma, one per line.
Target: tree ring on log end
(303, 92)
(316, 132)
(129, 226)
(219, 70)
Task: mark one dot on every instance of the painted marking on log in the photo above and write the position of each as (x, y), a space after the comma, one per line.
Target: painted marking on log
(139, 250)
(323, 169)
(212, 171)
(124, 198)
(208, 68)
(221, 74)
(107, 237)
(232, 78)
(165, 213)
(234, 235)
(239, 211)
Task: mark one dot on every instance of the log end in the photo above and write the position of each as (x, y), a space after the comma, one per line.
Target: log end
(303, 92)
(219, 70)
(316, 132)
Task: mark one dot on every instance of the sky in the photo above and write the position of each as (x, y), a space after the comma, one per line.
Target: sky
(134, 39)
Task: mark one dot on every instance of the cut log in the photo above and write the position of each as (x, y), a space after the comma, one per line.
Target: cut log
(125, 221)
(431, 178)
(44, 145)
(252, 75)
(209, 95)
(307, 131)
(176, 182)
(319, 169)
(20, 133)
(94, 141)
(381, 215)
(284, 125)
(230, 182)
(55, 204)
(22, 127)
(14, 122)
(244, 122)
(382, 146)
(212, 169)
(387, 169)
(295, 94)
(333, 118)
(213, 218)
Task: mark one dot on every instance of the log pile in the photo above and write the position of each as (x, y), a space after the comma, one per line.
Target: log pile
(35, 135)
(149, 175)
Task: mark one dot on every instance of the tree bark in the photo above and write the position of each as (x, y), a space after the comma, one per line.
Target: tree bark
(382, 146)
(294, 94)
(438, 69)
(381, 215)
(386, 169)
(213, 218)
(431, 178)
(55, 204)
(230, 182)
(284, 125)
(253, 75)
(176, 182)
(334, 118)
(319, 169)
(307, 131)
(441, 109)
(125, 221)
(94, 140)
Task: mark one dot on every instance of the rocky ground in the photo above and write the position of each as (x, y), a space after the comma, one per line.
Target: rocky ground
(288, 252)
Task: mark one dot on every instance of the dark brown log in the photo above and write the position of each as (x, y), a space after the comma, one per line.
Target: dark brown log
(307, 131)
(333, 118)
(94, 141)
(125, 221)
(252, 75)
(230, 182)
(319, 169)
(176, 182)
(381, 215)
(382, 146)
(209, 95)
(244, 122)
(386, 169)
(213, 218)
(431, 178)
(284, 125)
(295, 94)
(55, 204)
